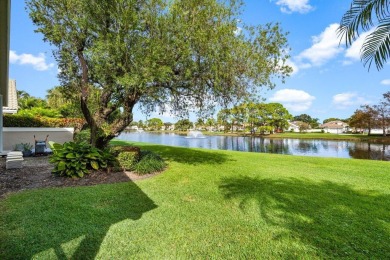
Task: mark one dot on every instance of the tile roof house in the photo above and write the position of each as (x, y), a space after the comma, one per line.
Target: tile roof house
(294, 126)
(12, 106)
(335, 127)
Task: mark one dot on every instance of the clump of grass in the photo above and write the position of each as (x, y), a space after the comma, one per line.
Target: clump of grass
(150, 162)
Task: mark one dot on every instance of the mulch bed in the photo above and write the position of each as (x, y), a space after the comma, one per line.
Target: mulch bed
(36, 173)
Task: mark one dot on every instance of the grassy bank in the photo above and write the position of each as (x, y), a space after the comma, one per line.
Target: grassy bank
(328, 136)
(318, 136)
(210, 204)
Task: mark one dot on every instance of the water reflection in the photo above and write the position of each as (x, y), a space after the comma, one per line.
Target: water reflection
(321, 148)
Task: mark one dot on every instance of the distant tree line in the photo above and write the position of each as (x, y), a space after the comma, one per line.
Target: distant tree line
(373, 116)
(250, 117)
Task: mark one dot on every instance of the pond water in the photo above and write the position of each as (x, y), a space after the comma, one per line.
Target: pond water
(321, 148)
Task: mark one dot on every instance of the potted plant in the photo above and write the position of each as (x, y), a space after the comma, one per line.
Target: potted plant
(25, 148)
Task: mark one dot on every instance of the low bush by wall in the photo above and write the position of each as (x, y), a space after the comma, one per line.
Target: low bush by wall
(28, 121)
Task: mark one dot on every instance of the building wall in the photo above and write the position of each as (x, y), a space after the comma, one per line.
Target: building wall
(17, 135)
(12, 106)
(334, 131)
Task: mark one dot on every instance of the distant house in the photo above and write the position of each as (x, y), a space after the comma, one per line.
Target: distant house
(12, 106)
(335, 127)
(378, 131)
(295, 126)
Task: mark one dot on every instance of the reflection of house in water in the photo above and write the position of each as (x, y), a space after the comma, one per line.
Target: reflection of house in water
(335, 145)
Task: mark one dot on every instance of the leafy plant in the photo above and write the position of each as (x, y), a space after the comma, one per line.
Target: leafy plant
(23, 147)
(76, 159)
(150, 162)
(82, 136)
(35, 121)
(128, 160)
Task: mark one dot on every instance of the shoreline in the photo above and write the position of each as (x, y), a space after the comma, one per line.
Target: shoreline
(318, 136)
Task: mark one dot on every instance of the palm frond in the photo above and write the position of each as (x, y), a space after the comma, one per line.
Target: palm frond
(360, 17)
(376, 46)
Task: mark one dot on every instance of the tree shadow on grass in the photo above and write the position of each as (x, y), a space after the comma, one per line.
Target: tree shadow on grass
(184, 155)
(335, 219)
(45, 222)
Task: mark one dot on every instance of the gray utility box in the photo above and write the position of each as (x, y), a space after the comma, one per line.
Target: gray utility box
(40, 147)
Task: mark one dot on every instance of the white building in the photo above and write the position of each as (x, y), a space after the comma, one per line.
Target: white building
(12, 104)
(335, 127)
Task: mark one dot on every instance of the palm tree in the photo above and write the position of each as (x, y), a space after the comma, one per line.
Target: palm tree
(361, 17)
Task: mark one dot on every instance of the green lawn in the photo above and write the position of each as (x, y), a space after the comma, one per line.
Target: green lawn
(210, 205)
(328, 136)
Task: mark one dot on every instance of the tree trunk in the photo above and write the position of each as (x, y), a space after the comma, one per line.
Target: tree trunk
(384, 126)
(84, 98)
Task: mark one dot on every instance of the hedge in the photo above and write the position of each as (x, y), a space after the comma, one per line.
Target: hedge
(28, 121)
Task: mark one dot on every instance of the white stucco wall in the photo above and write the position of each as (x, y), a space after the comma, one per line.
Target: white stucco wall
(17, 135)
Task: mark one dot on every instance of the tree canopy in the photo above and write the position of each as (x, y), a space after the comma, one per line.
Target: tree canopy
(168, 55)
(154, 124)
(261, 117)
(313, 122)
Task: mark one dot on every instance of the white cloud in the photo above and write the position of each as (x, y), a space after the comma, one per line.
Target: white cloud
(385, 82)
(325, 47)
(293, 99)
(348, 99)
(38, 62)
(291, 6)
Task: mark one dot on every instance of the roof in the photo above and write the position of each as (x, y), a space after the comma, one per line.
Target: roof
(12, 107)
(335, 125)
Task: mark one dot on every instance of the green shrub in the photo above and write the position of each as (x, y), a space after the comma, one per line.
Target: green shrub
(128, 160)
(77, 159)
(30, 121)
(149, 163)
(118, 149)
(82, 136)
(39, 111)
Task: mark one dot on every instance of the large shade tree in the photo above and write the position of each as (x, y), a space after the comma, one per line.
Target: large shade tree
(159, 54)
(363, 16)
(364, 118)
(313, 122)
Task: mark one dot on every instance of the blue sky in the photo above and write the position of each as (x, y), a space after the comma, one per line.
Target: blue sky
(328, 80)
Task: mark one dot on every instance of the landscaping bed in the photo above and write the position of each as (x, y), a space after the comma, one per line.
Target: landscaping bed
(36, 173)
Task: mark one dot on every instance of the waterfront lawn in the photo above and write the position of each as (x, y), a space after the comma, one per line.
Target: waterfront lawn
(329, 136)
(210, 204)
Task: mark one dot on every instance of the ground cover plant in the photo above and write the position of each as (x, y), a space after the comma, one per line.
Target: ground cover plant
(77, 159)
(210, 204)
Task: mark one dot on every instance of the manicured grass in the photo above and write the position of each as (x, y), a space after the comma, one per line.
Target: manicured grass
(328, 136)
(210, 205)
